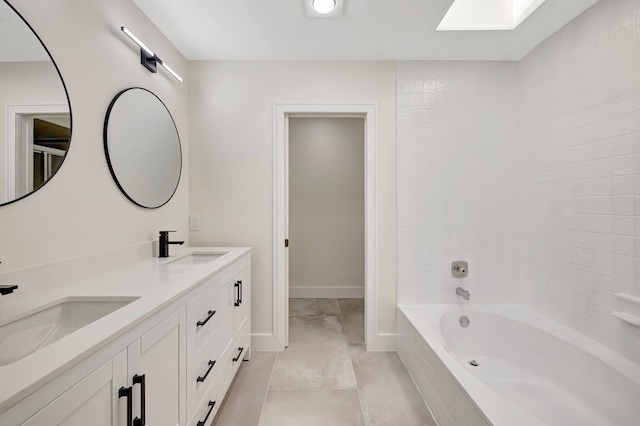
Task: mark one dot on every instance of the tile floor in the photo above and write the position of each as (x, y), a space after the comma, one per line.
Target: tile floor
(325, 377)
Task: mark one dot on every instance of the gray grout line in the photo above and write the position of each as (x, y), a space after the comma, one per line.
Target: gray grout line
(364, 419)
(264, 401)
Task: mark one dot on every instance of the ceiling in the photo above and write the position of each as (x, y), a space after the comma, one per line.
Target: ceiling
(368, 30)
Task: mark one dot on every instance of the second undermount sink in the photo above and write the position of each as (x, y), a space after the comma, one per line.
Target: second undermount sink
(52, 322)
(197, 258)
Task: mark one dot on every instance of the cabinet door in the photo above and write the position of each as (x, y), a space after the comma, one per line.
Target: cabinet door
(242, 290)
(90, 402)
(154, 372)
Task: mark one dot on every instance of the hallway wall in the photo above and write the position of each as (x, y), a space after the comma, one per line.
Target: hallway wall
(326, 207)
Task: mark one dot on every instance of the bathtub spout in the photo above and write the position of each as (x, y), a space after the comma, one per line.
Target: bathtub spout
(462, 292)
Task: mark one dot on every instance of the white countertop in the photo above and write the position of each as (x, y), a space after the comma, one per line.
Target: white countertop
(155, 283)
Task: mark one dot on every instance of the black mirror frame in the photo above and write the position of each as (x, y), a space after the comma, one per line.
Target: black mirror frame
(106, 147)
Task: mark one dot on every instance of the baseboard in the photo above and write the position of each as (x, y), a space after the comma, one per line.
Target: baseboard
(326, 292)
(383, 343)
(269, 343)
(265, 343)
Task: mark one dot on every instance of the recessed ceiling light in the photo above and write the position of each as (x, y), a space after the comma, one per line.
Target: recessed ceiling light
(323, 9)
(323, 6)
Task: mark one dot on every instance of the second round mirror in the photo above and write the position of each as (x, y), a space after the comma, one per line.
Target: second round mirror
(143, 147)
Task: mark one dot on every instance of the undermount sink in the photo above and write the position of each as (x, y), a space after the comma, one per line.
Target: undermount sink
(197, 258)
(50, 323)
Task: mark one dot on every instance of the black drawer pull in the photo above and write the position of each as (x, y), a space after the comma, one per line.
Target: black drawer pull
(201, 323)
(202, 378)
(237, 285)
(143, 403)
(127, 393)
(211, 405)
(240, 297)
(239, 354)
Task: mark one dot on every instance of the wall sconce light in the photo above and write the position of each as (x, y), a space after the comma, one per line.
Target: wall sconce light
(147, 58)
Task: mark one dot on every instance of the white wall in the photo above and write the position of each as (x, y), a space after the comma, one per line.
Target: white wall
(457, 180)
(326, 204)
(25, 83)
(580, 172)
(231, 186)
(81, 210)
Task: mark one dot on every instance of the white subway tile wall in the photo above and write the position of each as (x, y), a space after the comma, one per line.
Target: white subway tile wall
(457, 180)
(579, 173)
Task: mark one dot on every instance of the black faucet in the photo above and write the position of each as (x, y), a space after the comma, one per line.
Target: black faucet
(7, 289)
(164, 243)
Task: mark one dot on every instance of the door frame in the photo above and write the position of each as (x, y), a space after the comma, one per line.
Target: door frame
(19, 143)
(281, 114)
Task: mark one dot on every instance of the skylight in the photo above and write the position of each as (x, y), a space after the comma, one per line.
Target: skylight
(466, 15)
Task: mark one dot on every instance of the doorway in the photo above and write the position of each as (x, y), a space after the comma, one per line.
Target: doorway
(283, 115)
(326, 220)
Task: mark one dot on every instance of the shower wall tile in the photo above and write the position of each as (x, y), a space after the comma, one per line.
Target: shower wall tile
(579, 162)
(457, 180)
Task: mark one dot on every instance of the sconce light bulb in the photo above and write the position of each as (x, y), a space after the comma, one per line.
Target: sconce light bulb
(137, 41)
(172, 72)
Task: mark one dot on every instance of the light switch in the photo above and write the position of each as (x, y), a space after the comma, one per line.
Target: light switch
(194, 223)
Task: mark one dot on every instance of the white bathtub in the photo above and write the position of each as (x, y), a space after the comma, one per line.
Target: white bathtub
(531, 370)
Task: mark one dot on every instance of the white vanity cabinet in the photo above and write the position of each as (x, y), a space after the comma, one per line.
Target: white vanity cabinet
(142, 381)
(172, 369)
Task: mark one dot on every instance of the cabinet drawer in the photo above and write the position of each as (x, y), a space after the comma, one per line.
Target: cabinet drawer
(202, 318)
(204, 412)
(203, 370)
(234, 355)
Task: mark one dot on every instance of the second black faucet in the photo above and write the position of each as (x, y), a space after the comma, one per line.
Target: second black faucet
(164, 243)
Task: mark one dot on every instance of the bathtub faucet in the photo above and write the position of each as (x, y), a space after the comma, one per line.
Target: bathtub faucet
(462, 292)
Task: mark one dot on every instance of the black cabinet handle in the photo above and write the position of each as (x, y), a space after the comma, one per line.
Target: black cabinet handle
(201, 323)
(211, 405)
(141, 381)
(127, 393)
(202, 378)
(240, 296)
(237, 285)
(239, 354)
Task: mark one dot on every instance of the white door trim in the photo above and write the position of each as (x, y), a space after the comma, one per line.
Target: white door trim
(281, 113)
(17, 132)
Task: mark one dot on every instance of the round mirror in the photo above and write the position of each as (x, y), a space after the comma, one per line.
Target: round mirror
(35, 121)
(143, 147)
